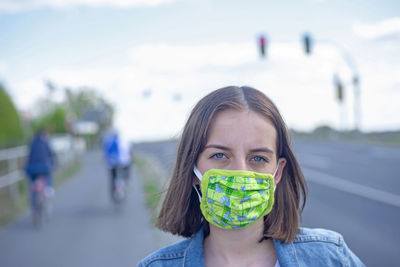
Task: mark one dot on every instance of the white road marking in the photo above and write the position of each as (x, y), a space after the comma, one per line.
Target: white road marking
(351, 187)
(314, 160)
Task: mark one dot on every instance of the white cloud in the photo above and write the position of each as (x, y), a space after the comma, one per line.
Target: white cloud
(27, 92)
(301, 86)
(287, 76)
(3, 67)
(18, 5)
(158, 57)
(381, 29)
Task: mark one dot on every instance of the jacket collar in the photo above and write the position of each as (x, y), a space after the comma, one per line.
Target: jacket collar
(286, 253)
(194, 254)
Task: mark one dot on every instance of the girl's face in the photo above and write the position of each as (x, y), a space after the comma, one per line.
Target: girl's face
(241, 140)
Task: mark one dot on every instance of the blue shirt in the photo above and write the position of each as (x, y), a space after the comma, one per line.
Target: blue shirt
(311, 247)
(116, 151)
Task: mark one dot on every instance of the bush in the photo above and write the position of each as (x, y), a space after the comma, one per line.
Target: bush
(11, 133)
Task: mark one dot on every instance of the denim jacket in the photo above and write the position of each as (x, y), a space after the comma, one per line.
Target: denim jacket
(311, 247)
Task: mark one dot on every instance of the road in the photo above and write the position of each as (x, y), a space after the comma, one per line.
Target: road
(354, 189)
(86, 229)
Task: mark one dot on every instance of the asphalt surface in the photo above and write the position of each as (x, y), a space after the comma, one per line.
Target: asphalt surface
(85, 229)
(354, 189)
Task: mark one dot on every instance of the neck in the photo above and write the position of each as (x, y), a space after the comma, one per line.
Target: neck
(239, 246)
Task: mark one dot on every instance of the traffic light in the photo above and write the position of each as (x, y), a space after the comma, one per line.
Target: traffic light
(339, 88)
(307, 42)
(262, 43)
(340, 91)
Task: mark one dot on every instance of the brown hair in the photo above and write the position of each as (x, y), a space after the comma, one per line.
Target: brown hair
(180, 213)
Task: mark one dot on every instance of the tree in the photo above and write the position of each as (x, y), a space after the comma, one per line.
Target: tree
(80, 104)
(86, 104)
(55, 121)
(11, 132)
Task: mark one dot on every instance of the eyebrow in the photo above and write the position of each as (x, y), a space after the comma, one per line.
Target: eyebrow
(260, 149)
(263, 149)
(216, 146)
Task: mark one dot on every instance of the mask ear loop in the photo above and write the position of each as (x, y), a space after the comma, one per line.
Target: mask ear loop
(276, 170)
(197, 172)
(198, 175)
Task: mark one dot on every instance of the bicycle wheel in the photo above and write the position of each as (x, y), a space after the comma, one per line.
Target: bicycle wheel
(38, 211)
(119, 189)
(38, 202)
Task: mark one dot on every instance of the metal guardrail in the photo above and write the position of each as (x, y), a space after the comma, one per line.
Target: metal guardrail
(12, 156)
(14, 152)
(11, 178)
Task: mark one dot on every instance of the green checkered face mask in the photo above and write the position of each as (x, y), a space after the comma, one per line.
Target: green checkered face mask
(235, 199)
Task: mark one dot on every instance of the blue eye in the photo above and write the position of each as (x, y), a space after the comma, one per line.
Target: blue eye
(218, 156)
(259, 159)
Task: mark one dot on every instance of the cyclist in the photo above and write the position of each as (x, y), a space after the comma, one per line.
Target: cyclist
(117, 154)
(40, 162)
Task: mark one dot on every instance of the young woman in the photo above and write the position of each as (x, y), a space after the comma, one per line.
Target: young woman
(237, 191)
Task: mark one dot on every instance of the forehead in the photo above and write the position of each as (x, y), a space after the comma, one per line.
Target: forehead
(242, 127)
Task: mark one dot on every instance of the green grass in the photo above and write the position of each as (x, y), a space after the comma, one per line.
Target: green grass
(152, 191)
(63, 176)
(10, 210)
(152, 176)
(389, 138)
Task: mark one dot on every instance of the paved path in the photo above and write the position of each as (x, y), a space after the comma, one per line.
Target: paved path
(85, 230)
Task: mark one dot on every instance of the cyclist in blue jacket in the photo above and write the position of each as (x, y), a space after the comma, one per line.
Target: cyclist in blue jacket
(41, 161)
(117, 155)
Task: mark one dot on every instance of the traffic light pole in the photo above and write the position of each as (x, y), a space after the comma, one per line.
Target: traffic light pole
(357, 102)
(308, 43)
(355, 81)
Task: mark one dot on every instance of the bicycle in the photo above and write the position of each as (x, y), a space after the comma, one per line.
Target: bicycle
(41, 201)
(119, 186)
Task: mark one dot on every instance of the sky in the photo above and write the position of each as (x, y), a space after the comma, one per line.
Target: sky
(154, 59)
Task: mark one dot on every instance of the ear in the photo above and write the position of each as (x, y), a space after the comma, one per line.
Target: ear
(281, 166)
